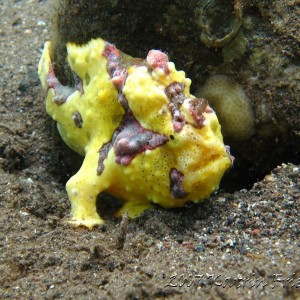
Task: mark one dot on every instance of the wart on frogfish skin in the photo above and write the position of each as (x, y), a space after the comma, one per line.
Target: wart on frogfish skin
(116, 71)
(62, 92)
(103, 152)
(197, 106)
(176, 189)
(176, 96)
(158, 59)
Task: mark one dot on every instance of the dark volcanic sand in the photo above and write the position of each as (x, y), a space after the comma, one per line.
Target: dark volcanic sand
(243, 245)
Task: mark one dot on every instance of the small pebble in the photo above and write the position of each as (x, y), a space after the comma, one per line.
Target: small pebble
(41, 23)
(29, 181)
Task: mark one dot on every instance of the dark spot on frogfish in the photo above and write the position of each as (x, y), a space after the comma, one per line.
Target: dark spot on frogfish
(76, 117)
(176, 189)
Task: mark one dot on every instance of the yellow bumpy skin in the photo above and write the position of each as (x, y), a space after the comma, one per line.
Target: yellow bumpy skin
(145, 138)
